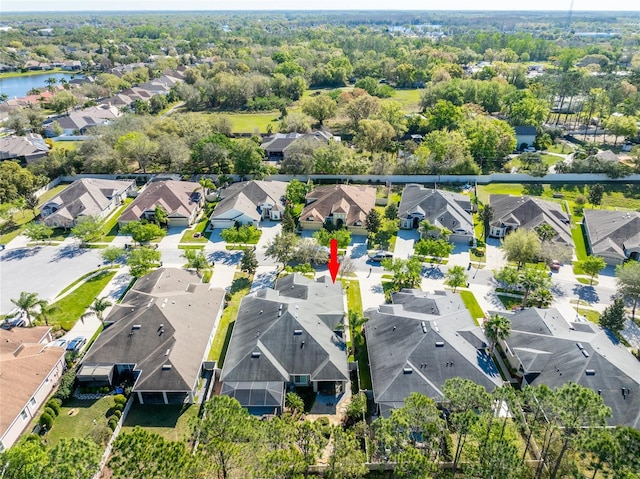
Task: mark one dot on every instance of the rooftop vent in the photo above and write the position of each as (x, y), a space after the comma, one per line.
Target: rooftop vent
(136, 326)
(166, 367)
(167, 352)
(590, 372)
(424, 327)
(407, 370)
(256, 354)
(439, 344)
(297, 332)
(585, 353)
(580, 346)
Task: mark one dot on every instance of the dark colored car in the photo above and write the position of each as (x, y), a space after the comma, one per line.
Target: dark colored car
(76, 343)
(379, 256)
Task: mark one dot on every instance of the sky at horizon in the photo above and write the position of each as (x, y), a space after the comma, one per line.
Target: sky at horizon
(241, 5)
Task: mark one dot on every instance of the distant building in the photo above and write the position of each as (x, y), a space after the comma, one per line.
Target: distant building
(525, 136)
(276, 146)
(26, 149)
(613, 235)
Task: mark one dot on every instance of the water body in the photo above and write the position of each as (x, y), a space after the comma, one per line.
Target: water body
(17, 87)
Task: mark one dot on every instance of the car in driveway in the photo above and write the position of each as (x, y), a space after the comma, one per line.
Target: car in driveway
(378, 256)
(76, 344)
(13, 321)
(58, 343)
(555, 265)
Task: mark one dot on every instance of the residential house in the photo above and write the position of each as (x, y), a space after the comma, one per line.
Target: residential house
(513, 212)
(78, 122)
(286, 338)
(613, 235)
(276, 146)
(525, 136)
(340, 206)
(182, 200)
(30, 372)
(418, 342)
(443, 209)
(72, 65)
(249, 202)
(25, 149)
(85, 197)
(159, 340)
(546, 348)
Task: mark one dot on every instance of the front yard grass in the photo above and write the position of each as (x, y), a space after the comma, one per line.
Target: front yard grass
(472, 305)
(72, 306)
(199, 228)
(509, 302)
(239, 289)
(171, 421)
(76, 419)
(590, 314)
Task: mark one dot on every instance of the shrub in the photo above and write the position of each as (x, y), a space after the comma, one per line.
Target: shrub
(322, 421)
(105, 390)
(65, 390)
(206, 277)
(46, 420)
(53, 404)
(118, 407)
(117, 414)
(112, 423)
(50, 412)
(119, 399)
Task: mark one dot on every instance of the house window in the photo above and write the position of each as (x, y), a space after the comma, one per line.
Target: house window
(300, 379)
(23, 415)
(32, 402)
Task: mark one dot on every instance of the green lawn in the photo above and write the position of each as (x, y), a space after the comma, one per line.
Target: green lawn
(563, 149)
(252, 122)
(80, 279)
(169, 421)
(588, 281)
(409, 99)
(65, 145)
(472, 305)
(498, 189)
(110, 227)
(76, 419)
(579, 242)
(239, 289)
(590, 314)
(199, 227)
(72, 306)
(354, 299)
(509, 302)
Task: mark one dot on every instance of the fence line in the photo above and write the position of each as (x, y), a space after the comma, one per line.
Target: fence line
(116, 431)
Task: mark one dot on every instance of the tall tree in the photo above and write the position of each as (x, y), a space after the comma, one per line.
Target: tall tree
(373, 221)
(87, 229)
(595, 194)
(320, 107)
(249, 262)
(142, 232)
(47, 310)
(346, 459)
(613, 317)
(592, 266)
(142, 260)
(456, 277)
(113, 254)
(281, 247)
(406, 272)
(629, 282)
(28, 303)
(98, 307)
(196, 259)
(37, 231)
(486, 216)
(497, 328)
(521, 246)
(248, 159)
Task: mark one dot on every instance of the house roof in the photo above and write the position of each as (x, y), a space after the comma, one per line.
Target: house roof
(550, 348)
(420, 341)
(176, 314)
(245, 196)
(288, 330)
(444, 209)
(178, 198)
(25, 362)
(31, 145)
(87, 197)
(279, 142)
(95, 115)
(612, 231)
(529, 212)
(355, 200)
(525, 130)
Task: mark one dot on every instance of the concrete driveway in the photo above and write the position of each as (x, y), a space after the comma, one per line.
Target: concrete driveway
(404, 243)
(45, 270)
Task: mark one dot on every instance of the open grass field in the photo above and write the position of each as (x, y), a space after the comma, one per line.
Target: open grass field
(169, 421)
(76, 419)
(72, 306)
(239, 289)
(409, 99)
(561, 148)
(66, 145)
(252, 122)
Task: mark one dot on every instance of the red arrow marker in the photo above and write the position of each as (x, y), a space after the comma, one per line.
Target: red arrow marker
(333, 259)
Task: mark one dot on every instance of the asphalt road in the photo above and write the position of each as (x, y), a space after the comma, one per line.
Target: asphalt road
(45, 270)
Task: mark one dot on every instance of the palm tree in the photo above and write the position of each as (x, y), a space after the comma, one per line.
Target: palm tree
(496, 328)
(46, 310)
(27, 303)
(98, 307)
(486, 215)
(207, 185)
(445, 233)
(426, 227)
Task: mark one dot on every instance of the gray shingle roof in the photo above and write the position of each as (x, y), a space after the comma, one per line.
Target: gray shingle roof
(172, 300)
(31, 145)
(286, 331)
(550, 348)
(612, 231)
(247, 195)
(444, 209)
(530, 212)
(420, 341)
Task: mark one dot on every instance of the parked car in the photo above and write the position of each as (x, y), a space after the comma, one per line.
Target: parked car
(76, 343)
(13, 322)
(379, 256)
(555, 265)
(58, 343)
